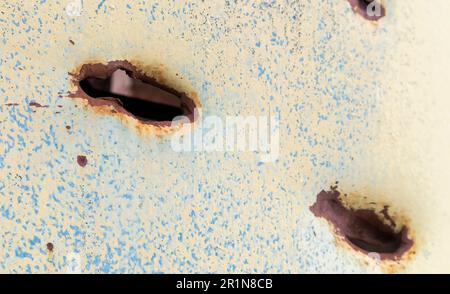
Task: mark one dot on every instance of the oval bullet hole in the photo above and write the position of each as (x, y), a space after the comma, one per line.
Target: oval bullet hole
(131, 92)
(363, 229)
(371, 10)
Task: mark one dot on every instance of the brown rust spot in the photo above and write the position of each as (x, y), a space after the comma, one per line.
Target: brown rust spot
(82, 160)
(120, 88)
(363, 229)
(35, 104)
(371, 10)
(50, 247)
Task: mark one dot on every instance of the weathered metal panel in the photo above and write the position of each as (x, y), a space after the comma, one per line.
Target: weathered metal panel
(358, 102)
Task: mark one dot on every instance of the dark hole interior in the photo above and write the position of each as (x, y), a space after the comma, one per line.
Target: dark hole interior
(372, 235)
(364, 3)
(145, 101)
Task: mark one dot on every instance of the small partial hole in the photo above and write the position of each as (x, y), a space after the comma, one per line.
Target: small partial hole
(369, 9)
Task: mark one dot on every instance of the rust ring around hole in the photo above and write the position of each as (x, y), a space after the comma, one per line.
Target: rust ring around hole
(132, 92)
(363, 229)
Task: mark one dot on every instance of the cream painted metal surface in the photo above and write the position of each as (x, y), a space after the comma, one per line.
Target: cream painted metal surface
(360, 103)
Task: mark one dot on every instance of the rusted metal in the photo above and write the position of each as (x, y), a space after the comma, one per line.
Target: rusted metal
(364, 102)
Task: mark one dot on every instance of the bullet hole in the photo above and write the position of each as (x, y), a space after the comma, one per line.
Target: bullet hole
(68, 127)
(363, 229)
(144, 101)
(82, 160)
(50, 247)
(132, 92)
(371, 10)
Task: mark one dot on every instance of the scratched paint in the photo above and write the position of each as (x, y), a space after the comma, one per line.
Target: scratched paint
(362, 103)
